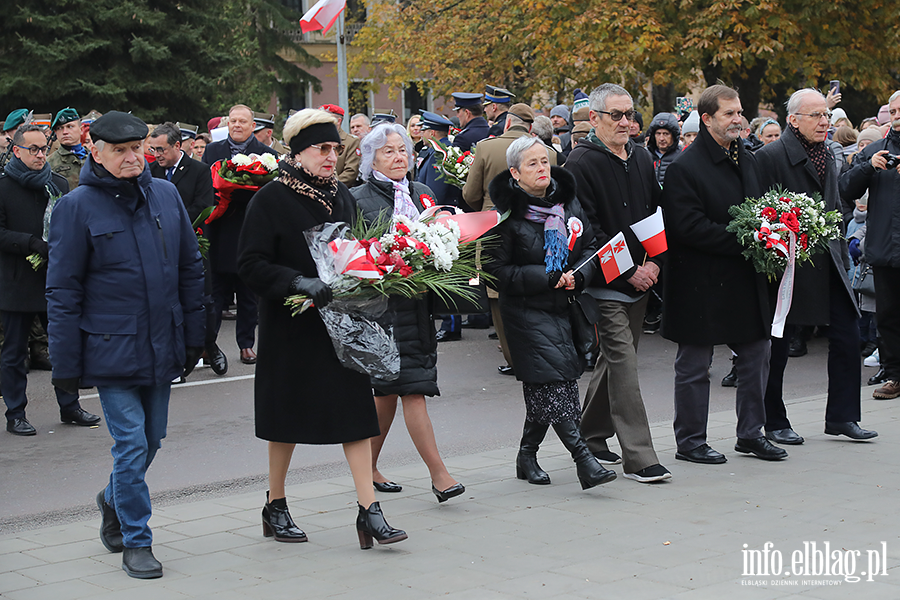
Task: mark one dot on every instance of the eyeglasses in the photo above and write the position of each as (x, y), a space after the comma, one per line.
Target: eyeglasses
(616, 115)
(325, 149)
(817, 115)
(34, 150)
(157, 150)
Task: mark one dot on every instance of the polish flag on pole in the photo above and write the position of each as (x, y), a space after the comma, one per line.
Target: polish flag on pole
(652, 233)
(322, 15)
(615, 258)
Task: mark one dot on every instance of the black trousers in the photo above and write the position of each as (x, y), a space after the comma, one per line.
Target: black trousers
(887, 312)
(844, 370)
(17, 326)
(225, 287)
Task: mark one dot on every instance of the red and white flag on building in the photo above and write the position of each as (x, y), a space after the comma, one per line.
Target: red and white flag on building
(652, 233)
(322, 15)
(615, 258)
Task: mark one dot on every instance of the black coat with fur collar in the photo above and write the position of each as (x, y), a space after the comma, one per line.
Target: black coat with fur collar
(536, 316)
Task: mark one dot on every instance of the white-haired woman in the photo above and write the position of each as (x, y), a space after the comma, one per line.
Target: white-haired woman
(545, 237)
(386, 154)
(303, 395)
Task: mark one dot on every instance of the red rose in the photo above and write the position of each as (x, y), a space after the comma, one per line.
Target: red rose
(804, 240)
(401, 243)
(785, 200)
(769, 213)
(797, 211)
(790, 221)
(406, 271)
(402, 228)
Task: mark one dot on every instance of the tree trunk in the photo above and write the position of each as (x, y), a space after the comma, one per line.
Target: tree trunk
(663, 97)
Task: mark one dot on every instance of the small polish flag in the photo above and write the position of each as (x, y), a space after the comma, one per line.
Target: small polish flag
(322, 15)
(652, 233)
(615, 258)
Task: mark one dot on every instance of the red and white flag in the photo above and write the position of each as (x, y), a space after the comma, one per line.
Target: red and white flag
(652, 233)
(322, 15)
(615, 258)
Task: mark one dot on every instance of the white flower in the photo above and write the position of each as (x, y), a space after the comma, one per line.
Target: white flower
(269, 162)
(241, 160)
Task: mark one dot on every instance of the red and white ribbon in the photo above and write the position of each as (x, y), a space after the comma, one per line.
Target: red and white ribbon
(576, 227)
(785, 289)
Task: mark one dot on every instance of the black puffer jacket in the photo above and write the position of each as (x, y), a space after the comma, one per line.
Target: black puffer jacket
(411, 319)
(536, 316)
(669, 122)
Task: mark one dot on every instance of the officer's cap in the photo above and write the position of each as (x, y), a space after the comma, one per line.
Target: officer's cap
(66, 115)
(187, 130)
(117, 128)
(263, 121)
(496, 94)
(15, 118)
(465, 100)
(384, 118)
(42, 120)
(435, 121)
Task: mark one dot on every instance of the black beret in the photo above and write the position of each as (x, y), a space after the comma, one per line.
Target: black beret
(117, 128)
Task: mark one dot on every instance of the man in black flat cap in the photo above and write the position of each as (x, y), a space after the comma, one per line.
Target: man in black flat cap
(496, 107)
(125, 303)
(471, 118)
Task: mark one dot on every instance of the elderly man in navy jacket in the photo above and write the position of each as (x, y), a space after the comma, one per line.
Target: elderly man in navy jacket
(125, 304)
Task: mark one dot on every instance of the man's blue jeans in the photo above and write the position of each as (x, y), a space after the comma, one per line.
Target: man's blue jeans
(136, 417)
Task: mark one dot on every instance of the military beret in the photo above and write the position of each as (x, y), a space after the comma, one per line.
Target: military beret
(435, 121)
(582, 127)
(15, 118)
(523, 111)
(464, 99)
(117, 128)
(333, 109)
(497, 94)
(66, 115)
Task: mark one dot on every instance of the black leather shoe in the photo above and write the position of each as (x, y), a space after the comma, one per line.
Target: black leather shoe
(702, 454)
(797, 348)
(493, 336)
(506, 370)
(79, 416)
(878, 378)
(851, 429)
(730, 380)
(141, 564)
(448, 336)
(784, 436)
(761, 448)
(277, 523)
(217, 359)
(451, 492)
(370, 523)
(20, 427)
(388, 487)
(110, 528)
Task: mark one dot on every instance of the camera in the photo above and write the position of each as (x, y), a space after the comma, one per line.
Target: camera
(891, 161)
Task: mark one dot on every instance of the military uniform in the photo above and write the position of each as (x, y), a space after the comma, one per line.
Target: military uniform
(498, 95)
(66, 163)
(347, 167)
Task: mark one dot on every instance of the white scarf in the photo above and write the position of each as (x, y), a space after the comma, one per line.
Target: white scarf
(403, 204)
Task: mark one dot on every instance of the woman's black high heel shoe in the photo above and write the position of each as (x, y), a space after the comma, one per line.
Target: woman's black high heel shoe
(277, 522)
(450, 492)
(371, 524)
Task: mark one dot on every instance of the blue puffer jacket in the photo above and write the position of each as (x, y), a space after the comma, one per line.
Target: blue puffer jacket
(124, 281)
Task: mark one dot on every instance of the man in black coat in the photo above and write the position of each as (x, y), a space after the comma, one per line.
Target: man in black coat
(617, 188)
(713, 295)
(194, 183)
(25, 189)
(800, 162)
(870, 171)
(223, 233)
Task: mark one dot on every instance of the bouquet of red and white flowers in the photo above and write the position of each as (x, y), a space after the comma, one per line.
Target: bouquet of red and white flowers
(453, 168)
(768, 227)
(241, 172)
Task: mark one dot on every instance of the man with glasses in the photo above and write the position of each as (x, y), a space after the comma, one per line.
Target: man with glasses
(25, 190)
(799, 161)
(713, 295)
(877, 169)
(223, 233)
(194, 183)
(617, 188)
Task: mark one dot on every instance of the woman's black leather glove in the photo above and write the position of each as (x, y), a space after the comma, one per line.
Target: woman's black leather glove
(314, 288)
(553, 278)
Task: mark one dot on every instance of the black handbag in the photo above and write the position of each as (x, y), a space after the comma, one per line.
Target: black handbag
(584, 314)
(864, 280)
(457, 305)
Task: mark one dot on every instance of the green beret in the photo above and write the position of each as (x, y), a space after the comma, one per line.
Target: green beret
(15, 118)
(117, 128)
(66, 115)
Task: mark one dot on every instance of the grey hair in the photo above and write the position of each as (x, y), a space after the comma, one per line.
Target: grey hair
(365, 117)
(894, 96)
(168, 129)
(376, 139)
(603, 91)
(796, 99)
(517, 149)
(542, 128)
(19, 135)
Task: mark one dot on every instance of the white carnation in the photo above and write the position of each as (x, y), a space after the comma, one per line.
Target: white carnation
(241, 160)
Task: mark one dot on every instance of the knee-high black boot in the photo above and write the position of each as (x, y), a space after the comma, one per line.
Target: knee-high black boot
(590, 471)
(527, 466)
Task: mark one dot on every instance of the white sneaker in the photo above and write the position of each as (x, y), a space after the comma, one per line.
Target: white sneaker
(873, 360)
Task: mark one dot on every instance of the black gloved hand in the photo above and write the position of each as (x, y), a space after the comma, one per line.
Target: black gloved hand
(69, 385)
(579, 280)
(192, 355)
(39, 246)
(553, 278)
(314, 288)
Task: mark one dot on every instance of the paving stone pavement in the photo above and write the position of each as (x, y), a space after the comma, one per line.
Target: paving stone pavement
(692, 537)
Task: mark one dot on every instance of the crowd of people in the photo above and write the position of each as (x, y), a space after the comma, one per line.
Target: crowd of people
(98, 249)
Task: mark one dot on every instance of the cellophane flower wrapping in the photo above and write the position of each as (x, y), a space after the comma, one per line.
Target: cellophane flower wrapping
(764, 225)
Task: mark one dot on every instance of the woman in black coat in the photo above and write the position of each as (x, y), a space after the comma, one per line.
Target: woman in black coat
(533, 266)
(386, 153)
(303, 394)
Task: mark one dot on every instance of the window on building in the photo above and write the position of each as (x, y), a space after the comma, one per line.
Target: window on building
(413, 100)
(360, 93)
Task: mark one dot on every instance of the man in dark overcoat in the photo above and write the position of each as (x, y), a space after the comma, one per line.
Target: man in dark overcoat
(471, 118)
(713, 295)
(800, 162)
(223, 233)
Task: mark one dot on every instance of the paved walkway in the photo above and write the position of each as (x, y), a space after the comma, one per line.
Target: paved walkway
(506, 539)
